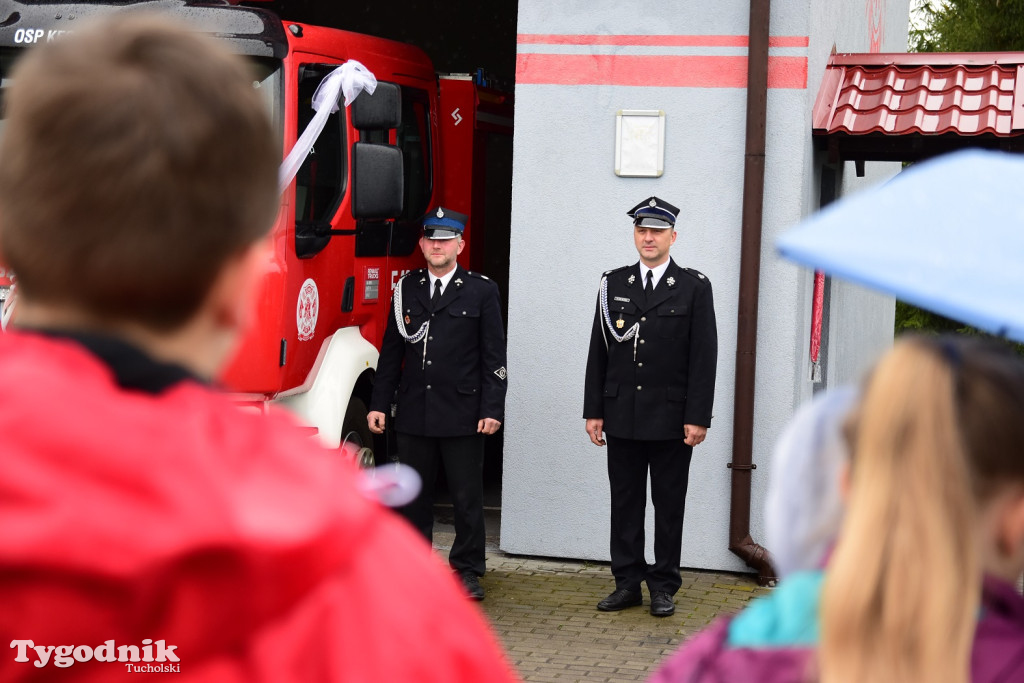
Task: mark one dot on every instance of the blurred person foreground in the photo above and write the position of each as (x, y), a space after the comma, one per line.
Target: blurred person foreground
(920, 584)
(143, 513)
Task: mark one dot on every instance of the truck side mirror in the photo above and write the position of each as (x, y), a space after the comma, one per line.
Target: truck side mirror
(378, 185)
(381, 110)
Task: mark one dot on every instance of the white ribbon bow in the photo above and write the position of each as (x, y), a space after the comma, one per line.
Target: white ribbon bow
(350, 79)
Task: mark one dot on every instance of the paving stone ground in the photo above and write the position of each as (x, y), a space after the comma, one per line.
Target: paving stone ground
(544, 612)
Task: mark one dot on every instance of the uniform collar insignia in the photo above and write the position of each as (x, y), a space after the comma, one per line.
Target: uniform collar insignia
(458, 282)
(422, 280)
(631, 280)
(671, 281)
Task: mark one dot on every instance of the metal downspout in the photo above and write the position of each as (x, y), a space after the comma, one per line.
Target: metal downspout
(742, 465)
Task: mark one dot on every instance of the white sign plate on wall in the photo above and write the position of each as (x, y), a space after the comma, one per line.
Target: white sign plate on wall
(640, 143)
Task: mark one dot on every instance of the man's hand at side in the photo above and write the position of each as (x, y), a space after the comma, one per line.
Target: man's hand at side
(595, 426)
(488, 425)
(375, 419)
(694, 434)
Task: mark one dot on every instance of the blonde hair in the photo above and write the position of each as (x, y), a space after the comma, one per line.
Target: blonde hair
(939, 428)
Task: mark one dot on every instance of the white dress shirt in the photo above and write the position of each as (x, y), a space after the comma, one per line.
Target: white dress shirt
(657, 270)
(445, 279)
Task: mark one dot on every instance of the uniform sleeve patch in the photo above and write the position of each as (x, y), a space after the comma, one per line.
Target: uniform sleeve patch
(501, 373)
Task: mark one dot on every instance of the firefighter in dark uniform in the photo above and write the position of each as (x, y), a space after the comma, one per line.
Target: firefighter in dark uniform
(442, 363)
(649, 388)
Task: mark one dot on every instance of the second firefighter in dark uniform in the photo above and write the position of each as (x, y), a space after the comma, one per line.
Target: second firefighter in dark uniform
(649, 388)
(442, 362)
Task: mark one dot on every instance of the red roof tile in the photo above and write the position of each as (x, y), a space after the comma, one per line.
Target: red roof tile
(962, 94)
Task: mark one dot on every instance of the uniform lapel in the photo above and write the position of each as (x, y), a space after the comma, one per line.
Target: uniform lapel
(635, 288)
(418, 288)
(453, 290)
(665, 288)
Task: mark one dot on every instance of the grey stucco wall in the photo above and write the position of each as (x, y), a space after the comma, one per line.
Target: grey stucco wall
(569, 225)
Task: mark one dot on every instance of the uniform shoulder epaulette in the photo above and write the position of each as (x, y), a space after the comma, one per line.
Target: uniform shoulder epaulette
(420, 273)
(695, 273)
(479, 275)
(615, 270)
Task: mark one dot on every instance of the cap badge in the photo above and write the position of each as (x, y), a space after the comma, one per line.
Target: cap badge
(632, 279)
(652, 203)
(671, 281)
(440, 213)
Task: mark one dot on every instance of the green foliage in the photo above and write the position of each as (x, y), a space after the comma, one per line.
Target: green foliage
(969, 26)
(917, 320)
(913, 319)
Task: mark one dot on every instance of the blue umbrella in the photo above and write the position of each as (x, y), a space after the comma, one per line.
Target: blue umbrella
(946, 235)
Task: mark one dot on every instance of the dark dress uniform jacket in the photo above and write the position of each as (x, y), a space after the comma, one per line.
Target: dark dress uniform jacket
(461, 377)
(671, 380)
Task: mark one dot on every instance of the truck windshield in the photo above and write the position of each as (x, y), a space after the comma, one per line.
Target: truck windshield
(267, 80)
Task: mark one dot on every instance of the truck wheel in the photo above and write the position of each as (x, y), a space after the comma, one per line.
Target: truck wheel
(356, 438)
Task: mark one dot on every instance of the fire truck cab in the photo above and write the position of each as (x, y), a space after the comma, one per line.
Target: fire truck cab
(349, 222)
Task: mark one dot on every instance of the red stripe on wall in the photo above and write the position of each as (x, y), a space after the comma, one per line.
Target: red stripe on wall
(669, 71)
(788, 41)
(655, 41)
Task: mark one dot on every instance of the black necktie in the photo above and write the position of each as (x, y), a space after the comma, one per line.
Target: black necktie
(437, 294)
(649, 287)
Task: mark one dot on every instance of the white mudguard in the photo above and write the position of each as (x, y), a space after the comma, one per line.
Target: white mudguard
(322, 399)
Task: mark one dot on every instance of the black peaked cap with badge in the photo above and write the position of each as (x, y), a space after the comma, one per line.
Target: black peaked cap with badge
(444, 224)
(654, 212)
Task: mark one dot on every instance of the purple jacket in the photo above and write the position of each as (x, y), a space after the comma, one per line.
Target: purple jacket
(998, 654)
(713, 656)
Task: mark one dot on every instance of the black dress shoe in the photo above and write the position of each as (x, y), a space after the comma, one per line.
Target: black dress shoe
(662, 605)
(472, 585)
(621, 599)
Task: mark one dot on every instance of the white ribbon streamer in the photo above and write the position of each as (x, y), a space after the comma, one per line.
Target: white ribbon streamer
(350, 79)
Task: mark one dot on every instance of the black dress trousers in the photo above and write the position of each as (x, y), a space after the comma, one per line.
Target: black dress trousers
(463, 460)
(628, 463)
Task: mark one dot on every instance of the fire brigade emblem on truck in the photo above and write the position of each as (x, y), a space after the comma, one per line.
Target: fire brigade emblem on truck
(307, 309)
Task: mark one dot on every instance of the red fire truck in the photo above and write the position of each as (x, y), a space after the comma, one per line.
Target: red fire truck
(349, 221)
